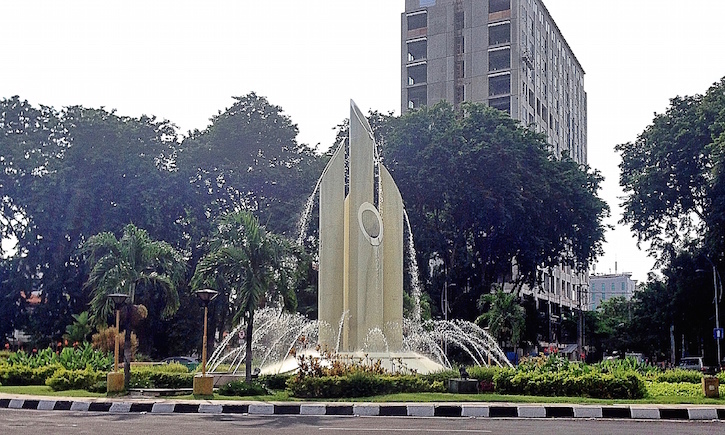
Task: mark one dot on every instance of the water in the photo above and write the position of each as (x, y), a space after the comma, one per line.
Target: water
(279, 336)
(415, 291)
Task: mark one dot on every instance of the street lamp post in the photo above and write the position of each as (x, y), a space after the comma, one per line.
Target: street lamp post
(716, 283)
(204, 385)
(115, 379)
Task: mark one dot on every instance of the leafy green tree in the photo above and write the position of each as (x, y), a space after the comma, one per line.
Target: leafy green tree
(249, 157)
(246, 264)
(68, 175)
(483, 193)
(136, 265)
(672, 175)
(504, 316)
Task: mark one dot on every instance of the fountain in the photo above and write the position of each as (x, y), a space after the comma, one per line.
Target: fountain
(360, 293)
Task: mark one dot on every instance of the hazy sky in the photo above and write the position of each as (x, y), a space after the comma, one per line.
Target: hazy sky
(184, 60)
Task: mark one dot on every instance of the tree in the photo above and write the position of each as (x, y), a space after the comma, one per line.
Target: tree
(246, 264)
(249, 157)
(673, 178)
(503, 315)
(68, 175)
(482, 193)
(136, 265)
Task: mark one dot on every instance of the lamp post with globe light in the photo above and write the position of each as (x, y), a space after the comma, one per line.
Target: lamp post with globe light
(115, 379)
(204, 385)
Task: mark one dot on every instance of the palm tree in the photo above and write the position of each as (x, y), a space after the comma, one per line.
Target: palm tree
(134, 265)
(505, 317)
(246, 263)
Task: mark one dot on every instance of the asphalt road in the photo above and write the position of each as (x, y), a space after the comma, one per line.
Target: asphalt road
(25, 422)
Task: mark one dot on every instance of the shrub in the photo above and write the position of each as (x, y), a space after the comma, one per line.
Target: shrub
(275, 382)
(16, 375)
(241, 388)
(360, 384)
(84, 379)
(161, 376)
(678, 375)
(105, 341)
(70, 358)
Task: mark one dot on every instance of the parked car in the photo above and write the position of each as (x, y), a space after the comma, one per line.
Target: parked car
(189, 361)
(692, 363)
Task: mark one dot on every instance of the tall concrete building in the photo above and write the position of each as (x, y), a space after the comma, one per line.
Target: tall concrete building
(511, 55)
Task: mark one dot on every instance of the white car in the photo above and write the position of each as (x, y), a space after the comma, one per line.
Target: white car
(692, 363)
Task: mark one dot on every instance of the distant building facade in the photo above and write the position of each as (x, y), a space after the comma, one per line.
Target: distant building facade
(511, 55)
(605, 287)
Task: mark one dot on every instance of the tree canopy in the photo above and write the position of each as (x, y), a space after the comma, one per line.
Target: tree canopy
(483, 193)
(673, 178)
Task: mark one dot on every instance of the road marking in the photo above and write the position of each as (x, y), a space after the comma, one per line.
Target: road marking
(356, 429)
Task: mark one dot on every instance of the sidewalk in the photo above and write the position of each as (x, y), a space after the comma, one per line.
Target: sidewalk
(448, 409)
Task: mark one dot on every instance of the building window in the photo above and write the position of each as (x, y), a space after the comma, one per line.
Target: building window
(499, 85)
(498, 5)
(460, 45)
(418, 21)
(417, 50)
(460, 94)
(499, 59)
(460, 69)
(417, 74)
(502, 103)
(499, 34)
(417, 97)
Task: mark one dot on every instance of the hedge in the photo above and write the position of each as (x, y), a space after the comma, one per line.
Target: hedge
(19, 375)
(360, 384)
(242, 388)
(595, 384)
(84, 379)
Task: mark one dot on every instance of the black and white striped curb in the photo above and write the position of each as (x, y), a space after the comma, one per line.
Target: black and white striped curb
(378, 410)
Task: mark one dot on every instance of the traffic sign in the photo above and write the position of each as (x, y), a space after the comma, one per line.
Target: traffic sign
(718, 333)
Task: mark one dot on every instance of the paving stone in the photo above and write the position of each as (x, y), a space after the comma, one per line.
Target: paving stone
(702, 413)
(162, 408)
(366, 410)
(587, 412)
(261, 408)
(421, 410)
(313, 409)
(645, 413)
(474, 411)
(529, 411)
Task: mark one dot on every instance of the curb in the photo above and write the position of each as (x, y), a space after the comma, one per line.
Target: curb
(451, 410)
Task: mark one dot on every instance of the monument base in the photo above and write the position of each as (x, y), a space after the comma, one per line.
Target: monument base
(393, 362)
(114, 382)
(203, 385)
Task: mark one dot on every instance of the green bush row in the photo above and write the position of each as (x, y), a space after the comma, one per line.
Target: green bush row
(595, 384)
(360, 384)
(242, 388)
(17, 375)
(85, 379)
(159, 379)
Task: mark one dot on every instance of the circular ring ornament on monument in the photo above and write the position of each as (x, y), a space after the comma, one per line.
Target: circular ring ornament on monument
(370, 223)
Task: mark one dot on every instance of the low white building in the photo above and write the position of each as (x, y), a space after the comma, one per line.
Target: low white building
(605, 287)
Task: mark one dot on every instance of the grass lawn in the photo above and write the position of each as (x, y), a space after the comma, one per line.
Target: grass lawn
(283, 396)
(44, 390)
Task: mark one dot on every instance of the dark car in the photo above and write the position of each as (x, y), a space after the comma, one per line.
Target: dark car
(190, 362)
